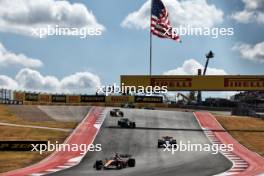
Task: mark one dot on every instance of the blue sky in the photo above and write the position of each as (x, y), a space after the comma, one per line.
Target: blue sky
(121, 50)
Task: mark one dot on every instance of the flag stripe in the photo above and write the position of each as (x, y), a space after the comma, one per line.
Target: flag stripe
(160, 23)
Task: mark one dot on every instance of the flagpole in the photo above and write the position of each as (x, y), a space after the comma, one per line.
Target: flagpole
(150, 42)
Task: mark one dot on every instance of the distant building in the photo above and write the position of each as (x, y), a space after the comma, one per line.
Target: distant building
(219, 102)
(255, 98)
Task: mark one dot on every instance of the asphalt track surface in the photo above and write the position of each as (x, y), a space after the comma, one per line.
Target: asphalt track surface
(65, 113)
(142, 144)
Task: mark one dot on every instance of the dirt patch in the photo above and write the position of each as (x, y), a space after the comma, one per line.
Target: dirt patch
(246, 130)
(15, 160)
(22, 115)
(29, 113)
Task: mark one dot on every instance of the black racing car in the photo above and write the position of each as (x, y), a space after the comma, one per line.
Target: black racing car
(148, 108)
(128, 105)
(115, 162)
(126, 123)
(116, 113)
(166, 141)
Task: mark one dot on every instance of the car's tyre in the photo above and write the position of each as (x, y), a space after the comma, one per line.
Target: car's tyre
(174, 146)
(98, 164)
(118, 123)
(173, 142)
(119, 166)
(134, 125)
(131, 162)
(160, 144)
(124, 164)
(121, 114)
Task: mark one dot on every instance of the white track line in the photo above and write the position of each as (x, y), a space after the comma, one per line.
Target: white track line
(36, 127)
(239, 165)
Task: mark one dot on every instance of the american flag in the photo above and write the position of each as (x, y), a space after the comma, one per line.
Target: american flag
(160, 24)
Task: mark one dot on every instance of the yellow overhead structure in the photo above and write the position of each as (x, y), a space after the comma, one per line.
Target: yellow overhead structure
(195, 83)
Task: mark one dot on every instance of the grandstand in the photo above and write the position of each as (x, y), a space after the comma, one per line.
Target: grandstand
(253, 98)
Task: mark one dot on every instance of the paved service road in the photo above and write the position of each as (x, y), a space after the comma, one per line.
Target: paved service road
(142, 144)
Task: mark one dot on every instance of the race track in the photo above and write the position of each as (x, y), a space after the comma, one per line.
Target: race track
(142, 144)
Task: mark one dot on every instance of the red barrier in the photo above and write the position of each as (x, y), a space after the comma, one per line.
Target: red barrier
(255, 161)
(85, 133)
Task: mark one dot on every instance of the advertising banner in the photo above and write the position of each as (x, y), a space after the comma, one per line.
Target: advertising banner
(92, 98)
(31, 97)
(58, 98)
(148, 99)
(203, 83)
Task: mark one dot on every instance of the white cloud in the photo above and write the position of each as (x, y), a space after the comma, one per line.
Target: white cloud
(31, 80)
(223, 94)
(20, 16)
(243, 16)
(7, 83)
(253, 4)
(194, 13)
(191, 66)
(252, 12)
(8, 58)
(79, 82)
(251, 52)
